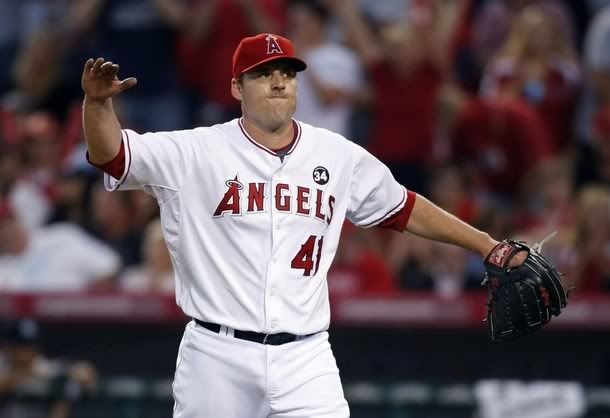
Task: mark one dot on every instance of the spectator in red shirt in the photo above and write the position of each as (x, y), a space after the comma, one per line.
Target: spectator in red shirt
(538, 64)
(500, 142)
(358, 268)
(31, 189)
(212, 30)
(406, 62)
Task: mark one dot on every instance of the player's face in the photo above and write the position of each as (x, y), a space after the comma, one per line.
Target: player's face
(268, 94)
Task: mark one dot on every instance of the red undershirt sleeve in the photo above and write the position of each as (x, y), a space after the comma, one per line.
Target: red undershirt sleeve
(399, 220)
(114, 167)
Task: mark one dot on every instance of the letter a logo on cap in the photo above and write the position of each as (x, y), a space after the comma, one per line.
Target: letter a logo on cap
(272, 46)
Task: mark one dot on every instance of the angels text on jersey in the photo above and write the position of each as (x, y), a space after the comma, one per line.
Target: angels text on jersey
(252, 197)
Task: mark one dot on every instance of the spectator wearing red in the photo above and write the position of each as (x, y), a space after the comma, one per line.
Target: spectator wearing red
(406, 63)
(211, 31)
(489, 25)
(359, 268)
(500, 142)
(538, 64)
(32, 179)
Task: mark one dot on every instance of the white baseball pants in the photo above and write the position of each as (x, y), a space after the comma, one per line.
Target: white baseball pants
(219, 376)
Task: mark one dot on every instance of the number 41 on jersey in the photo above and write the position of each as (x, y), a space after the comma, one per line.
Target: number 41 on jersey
(304, 259)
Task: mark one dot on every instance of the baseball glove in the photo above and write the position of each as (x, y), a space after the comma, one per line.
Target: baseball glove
(522, 299)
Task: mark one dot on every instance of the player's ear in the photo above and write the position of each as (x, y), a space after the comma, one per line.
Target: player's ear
(236, 88)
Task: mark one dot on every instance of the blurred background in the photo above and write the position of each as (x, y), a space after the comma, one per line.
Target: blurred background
(497, 110)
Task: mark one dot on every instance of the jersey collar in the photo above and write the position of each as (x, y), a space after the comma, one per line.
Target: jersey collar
(279, 152)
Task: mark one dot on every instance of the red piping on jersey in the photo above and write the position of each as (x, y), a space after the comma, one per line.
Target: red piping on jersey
(292, 145)
(400, 219)
(128, 165)
(294, 138)
(403, 201)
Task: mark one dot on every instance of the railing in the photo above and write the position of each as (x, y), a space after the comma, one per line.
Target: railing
(417, 309)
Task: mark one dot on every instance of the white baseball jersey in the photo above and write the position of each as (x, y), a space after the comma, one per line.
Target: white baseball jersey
(252, 235)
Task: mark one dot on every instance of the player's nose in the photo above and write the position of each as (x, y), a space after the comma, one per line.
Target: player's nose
(277, 80)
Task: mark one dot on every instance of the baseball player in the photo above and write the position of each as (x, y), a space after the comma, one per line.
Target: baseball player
(251, 212)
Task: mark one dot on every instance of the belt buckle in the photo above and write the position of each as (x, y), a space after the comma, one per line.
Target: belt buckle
(265, 339)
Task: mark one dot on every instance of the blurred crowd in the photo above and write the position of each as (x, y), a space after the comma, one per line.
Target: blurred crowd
(26, 370)
(496, 110)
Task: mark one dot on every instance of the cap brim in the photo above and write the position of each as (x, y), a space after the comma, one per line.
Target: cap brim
(299, 64)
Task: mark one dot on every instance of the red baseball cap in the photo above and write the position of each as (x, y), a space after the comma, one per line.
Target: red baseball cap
(265, 47)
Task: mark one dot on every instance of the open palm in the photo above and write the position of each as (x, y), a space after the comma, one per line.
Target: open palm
(100, 80)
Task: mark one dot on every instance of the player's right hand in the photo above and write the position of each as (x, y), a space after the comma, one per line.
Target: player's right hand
(100, 80)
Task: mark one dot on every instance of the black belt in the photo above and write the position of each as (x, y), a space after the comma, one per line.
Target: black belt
(258, 337)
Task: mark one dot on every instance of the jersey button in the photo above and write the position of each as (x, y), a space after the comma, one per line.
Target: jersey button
(274, 323)
(274, 260)
(272, 292)
(278, 227)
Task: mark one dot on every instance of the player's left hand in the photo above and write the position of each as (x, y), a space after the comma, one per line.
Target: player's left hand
(525, 290)
(517, 259)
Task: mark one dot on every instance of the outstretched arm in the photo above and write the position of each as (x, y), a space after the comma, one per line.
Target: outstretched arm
(102, 129)
(359, 34)
(429, 221)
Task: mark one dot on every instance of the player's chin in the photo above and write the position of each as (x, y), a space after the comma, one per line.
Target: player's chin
(280, 116)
